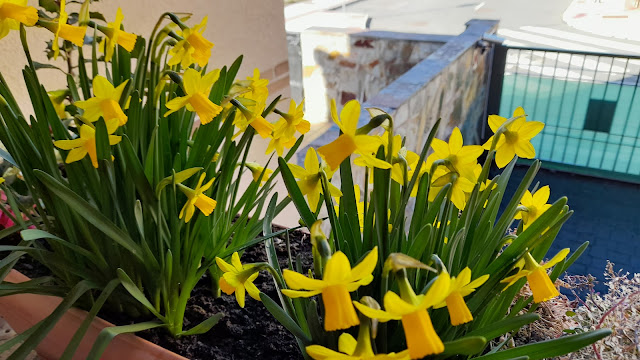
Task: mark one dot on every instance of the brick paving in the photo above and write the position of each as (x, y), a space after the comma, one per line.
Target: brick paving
(606, 213)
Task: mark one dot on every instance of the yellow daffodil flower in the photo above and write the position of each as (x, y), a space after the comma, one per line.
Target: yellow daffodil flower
(411, 309)
(86, 143)
(2, 180)
(253, 88)
(193, 48)
(309, 179)
(291, 122)
(285, 129)
(338, 280)
(516, 140)
(16, 12)
(256, 171)
(254, 97)
(105, 102)
(115, 36)
(61, 29)
(352, 349)
(349, 142)
(461, 185)
(238, 278)
(460, 287)
(197, 89)
(541, 285)
(397, 151)
(196, 198)
(279, 144)
(57, 98)
(457, 155)
(536, 205)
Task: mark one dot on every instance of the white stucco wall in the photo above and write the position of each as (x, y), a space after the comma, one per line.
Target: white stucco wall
(254, 28)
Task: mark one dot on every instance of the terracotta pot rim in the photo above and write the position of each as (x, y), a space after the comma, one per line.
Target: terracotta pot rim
(22, 311)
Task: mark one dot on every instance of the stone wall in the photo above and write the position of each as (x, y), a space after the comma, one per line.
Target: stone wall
(451, 84)
(346, 64)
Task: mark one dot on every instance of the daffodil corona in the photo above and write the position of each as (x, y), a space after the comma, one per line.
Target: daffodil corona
(238, 279)
(197, 89)
(61, 29)
(460, 287)
(115, 36)
(338, 280)
(197, 199)
(16, 12)
(257, 170)
(349, 141)
(352, 349)
(105, 102)
(541, 285)
(193, 48)
(86, 143)
(411, 309)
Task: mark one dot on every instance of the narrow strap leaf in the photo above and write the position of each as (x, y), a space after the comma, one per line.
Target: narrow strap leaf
(204, 326)
(107, 334)
(550, 348)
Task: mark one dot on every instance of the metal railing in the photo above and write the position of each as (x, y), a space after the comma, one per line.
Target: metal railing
(589, 102)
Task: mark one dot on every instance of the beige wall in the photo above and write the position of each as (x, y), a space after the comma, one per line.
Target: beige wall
(254, 28)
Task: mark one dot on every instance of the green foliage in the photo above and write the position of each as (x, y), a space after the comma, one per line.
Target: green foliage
(118, 221)
(427, 235)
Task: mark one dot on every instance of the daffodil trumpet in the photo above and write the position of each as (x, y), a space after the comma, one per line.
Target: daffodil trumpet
(542, 287)
(351, 349)
(411, 309)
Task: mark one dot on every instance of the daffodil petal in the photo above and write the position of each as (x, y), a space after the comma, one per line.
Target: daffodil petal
(300, 293)
(380, 315)
(347, 343)
(297, 281)
(366, 266)
(337, 270)
(318, 352)
(561, 255)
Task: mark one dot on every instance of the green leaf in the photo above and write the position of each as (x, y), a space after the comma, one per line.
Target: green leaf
(90, 213)
(468, 345)
(39, 66)
(48, 323)
(284, 319)
(296, 195)
(49, 5)
(97, 15)
(107, 334)
(179, 177)
(204, 326)
(128, 284)
(504, 326)
(97, 306)
(550, 348)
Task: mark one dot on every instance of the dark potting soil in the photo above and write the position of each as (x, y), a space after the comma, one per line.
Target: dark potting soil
(249, 333)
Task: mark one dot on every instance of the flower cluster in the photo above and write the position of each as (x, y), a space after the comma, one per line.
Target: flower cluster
(450, 178)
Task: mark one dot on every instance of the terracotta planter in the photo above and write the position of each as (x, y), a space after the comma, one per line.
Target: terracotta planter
(25, 310)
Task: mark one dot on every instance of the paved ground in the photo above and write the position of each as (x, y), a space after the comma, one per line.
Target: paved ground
(605, 214)
(521, 21)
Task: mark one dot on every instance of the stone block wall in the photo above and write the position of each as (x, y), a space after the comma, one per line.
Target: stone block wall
(451, 83)
(346, 64)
